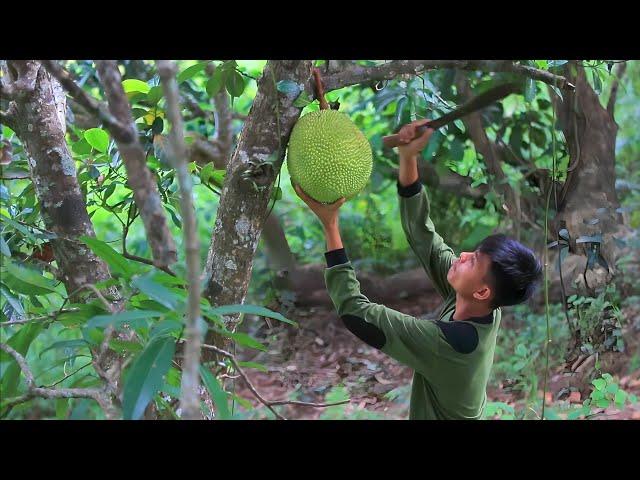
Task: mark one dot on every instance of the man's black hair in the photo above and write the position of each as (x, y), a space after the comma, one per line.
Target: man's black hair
(515, 271)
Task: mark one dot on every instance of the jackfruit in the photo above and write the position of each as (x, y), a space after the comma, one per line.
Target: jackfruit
(328, 156)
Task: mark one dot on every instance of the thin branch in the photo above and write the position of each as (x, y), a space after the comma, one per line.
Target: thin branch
(189, 401)
(51, 316)
(358, 74)
(611, 104)
(34, 391)
(92, 105)
(143, 184)
(267, 403)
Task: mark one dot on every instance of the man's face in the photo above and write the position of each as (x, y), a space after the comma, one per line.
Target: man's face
(468, 275)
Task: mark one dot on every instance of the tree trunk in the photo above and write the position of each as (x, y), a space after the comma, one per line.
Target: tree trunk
(249, 181)
(40, 125)
(588, 200)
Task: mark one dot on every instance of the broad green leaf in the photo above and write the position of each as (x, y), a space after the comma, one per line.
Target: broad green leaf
(109, 191)
(597, 395)
(123, 346)
(97, 138)
(599, 383)
(62, 406)
(73, 344)
(165, 327)
(206, 172)
(157, 292)
(620, 397)
(252, 310)
(28, 281)
(101, 321)
(4, 248)
(154, 95)
(242, 339)
(257, 366)
(117, 263)
(612, 388)
(20, 342)
(145, 377)
(189, 72)
(81, 147)
(602, 403)
(215, 83)
(302, 101)
(13, 301)
(217, 394)
(530, 90)
(235, 84)
(135, 85)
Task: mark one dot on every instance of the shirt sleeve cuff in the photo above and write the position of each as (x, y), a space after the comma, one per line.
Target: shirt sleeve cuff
(336, 257)
(410, 190)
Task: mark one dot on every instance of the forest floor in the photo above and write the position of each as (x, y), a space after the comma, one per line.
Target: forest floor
(309, 362)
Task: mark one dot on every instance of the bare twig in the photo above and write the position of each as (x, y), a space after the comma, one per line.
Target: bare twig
(34, 391)
(189, 401)
(357, 74)
(267, 403)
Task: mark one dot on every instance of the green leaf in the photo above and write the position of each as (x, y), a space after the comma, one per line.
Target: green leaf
(575, 414)
(252, 310)
(101, 321)
(599, 383)
(24, 280)
(257, 366)
(154, 95)
(597, 395)
(602, 403)
(123, 346)
(521, 350)
(530, 90)
(242, 339)
(189, 72)
(597, 83)
(235, 84)
(73, 344)
(117, 263)
(62, 406)
(165, 327)
(109, 191)
(20, 342)
(81, 147)
(4, 248)
(215, 83)
(145, 377)
(13, 301)
(302, 101)
(134, 85)
(620, 397)
(97, 138)
(157, 292)
(217, 394)
(207, 172)
(613, 388)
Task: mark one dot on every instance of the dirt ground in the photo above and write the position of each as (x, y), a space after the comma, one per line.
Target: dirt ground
(308, 361)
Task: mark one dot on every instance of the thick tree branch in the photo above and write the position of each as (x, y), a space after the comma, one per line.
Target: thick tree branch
(611, 104)
(189, 401)
(357, 74)
(92, 105)
(145, 190)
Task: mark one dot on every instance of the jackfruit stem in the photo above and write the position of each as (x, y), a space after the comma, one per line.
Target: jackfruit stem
(320, 89)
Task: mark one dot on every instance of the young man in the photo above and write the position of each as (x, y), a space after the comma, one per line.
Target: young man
(452, 356)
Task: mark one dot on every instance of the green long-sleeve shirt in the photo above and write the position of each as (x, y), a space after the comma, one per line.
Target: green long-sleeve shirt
(451, 359)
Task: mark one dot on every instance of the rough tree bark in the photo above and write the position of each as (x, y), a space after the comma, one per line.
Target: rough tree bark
(248, 183)
(40, 127)
(590, 130)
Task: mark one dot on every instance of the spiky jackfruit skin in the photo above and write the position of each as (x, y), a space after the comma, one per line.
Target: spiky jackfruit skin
(328, 156)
